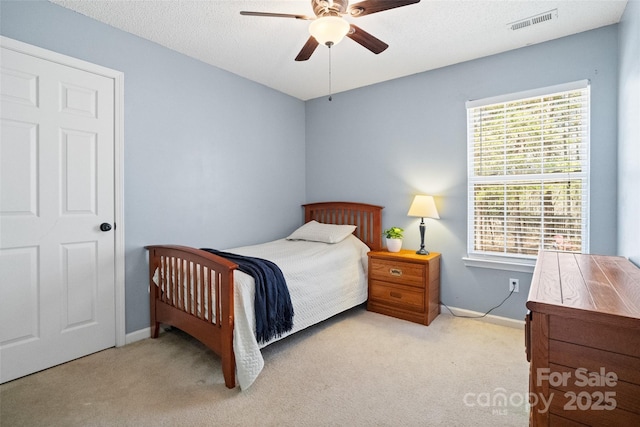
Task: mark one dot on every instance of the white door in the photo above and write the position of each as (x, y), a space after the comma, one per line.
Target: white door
(57, 285)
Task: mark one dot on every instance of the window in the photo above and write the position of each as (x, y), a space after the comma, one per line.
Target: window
(528, 173)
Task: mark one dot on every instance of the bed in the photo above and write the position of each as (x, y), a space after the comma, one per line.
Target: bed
(209, 298)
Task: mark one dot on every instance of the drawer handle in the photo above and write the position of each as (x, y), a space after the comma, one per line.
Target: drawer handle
(395, 294)
(395, 272)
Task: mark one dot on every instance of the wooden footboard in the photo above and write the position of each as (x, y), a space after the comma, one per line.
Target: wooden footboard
(193, 291)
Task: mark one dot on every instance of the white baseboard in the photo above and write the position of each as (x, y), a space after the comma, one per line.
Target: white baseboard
(138, 335)
(489, 318)
(145, 333)
(142, 334)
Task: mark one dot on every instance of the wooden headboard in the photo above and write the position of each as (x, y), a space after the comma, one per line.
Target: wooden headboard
(367, 218)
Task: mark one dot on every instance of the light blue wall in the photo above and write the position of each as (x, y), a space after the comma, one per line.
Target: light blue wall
(629, 134)
(384, 143)
(204, 149)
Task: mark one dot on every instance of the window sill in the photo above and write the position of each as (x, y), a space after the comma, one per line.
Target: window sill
(522, 266)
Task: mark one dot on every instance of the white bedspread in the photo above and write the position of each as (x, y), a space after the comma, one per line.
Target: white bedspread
(323, 279)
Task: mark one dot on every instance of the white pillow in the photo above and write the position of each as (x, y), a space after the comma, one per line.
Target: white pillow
(315, 231)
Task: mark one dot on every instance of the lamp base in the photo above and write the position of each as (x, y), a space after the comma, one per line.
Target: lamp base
(422, 250)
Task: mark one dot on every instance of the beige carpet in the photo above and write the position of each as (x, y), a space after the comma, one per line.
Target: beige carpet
(358, 368)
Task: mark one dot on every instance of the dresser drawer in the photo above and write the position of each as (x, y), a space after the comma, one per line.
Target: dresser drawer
(406, 297)
(405, 273)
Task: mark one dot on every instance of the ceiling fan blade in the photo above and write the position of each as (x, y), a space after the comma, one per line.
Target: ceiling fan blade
(277, 15)
(308, 49)
(372, 43)
(367, 7)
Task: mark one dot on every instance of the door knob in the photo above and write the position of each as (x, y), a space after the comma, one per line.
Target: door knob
(105, 226)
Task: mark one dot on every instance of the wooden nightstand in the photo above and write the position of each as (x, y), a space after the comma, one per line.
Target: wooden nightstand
(405, 285)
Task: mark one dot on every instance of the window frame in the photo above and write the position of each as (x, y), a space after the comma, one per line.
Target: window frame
(510, 261)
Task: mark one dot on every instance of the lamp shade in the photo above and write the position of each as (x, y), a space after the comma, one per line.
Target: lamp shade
(329, 29)
(423, 207)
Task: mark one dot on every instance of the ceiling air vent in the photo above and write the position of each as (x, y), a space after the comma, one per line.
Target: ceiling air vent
(533, 20)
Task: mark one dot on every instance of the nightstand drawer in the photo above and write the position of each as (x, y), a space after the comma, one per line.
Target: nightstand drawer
(404, 297)
(405, 273)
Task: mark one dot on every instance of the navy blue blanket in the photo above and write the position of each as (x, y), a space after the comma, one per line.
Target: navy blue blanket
(273, 308)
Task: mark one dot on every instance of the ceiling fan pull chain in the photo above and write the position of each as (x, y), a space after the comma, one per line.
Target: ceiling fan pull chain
(329, 45)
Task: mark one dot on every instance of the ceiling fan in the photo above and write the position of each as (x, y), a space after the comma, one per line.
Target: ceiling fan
(329, 27)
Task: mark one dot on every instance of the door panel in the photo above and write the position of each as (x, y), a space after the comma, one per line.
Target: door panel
(18, 163)
(79, 151)
(79, 284)
(19, 316)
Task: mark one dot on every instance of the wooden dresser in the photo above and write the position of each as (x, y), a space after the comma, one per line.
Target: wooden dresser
(405, 285)
(583, 341)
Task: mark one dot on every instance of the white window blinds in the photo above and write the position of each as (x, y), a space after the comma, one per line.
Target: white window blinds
(528, 172)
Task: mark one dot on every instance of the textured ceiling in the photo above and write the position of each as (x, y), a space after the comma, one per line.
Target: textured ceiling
(421, 37)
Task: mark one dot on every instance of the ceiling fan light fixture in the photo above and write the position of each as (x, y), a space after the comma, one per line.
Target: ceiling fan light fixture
(329, 30)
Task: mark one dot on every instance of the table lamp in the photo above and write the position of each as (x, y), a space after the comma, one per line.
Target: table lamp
(423, 207)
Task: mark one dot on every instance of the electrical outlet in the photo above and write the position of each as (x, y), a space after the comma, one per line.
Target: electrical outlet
(514, 285)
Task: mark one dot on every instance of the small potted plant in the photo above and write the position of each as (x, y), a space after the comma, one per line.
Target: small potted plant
(394, 237)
